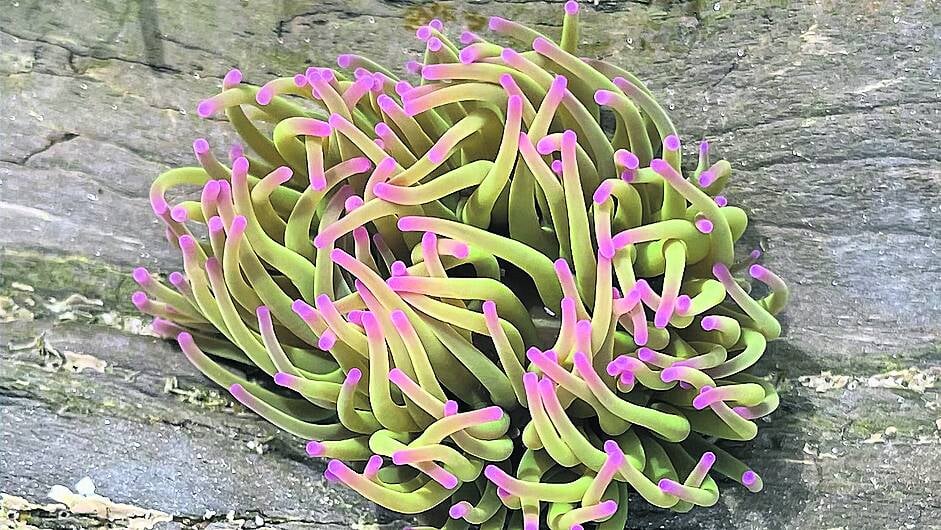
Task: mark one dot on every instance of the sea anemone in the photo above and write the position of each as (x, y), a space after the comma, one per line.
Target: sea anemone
(481, 305)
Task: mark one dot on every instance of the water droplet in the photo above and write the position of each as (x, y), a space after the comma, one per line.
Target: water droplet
(716, 6)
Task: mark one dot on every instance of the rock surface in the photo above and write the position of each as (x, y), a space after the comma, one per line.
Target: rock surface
(830, 112)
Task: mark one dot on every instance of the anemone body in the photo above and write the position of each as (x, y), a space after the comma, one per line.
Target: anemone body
(382, 261)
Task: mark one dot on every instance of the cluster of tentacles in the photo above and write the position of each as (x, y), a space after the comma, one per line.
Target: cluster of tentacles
(479, 303)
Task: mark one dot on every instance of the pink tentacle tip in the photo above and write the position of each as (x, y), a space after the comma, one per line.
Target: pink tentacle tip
(552, 356)
(646, 354)
(436, 24)
(187, 244)
(493, 413)
(602, 193)
(627, 377)
(232, 77)
(315, 448)
(206, 108)
(556, 167)
(372, 466)
(582, 362)
(758, 272)
(213, 267)
(514, 104)
(361, 73)
(141, 276)
(710, 323)
(401, 88)
(400, 321)
(336, 121)
(139, 299)
(344, 60)
(604, 97)
(355, 316)
(284, 379)
(177, 279)
(467, 55)
(330, 476)
(672, 142)
(179, 214)
(265, 95)
(383, 190)
(353, 377)
(398, 377)
(211, 190)
(459, 510)
(607, 508)
(706, 178)
(490, 310)
(542, 45)
(613, 368)
(337, 468)
(509, 55)
(447, 480)
(721, 201)
(668, 375)
(468, 37)
(708, 458)
(398, 269)
(545, 146)
(571, 7)
(496, 23)
(303, 310)
(239, 224)
(704, 225)
(200, 146)
(752, 481)
(569, 139)
(434, 44)
(353, 203)
(701, 401)
(340, 256)
(413, 67)
(627, 159)
(683, 303)
(381, 129)
(660, 165)
(423, 33)
(327, 341)
(450, 407)
(668, 486)
(461, 250)
(300, 80)
(185, 339)
(240, 167)
(282, 174)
